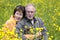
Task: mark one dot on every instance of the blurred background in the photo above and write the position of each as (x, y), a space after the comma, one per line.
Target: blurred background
(47, 10)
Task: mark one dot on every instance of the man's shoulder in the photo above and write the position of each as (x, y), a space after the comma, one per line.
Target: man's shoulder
(39, 20)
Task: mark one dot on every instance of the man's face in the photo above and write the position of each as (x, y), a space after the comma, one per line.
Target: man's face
(30, 11)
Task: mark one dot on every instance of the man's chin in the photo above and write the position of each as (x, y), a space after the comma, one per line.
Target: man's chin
(30, 18)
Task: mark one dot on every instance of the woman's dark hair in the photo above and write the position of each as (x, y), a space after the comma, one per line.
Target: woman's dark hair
(20, 8)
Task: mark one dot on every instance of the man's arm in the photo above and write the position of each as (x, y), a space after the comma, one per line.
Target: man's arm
(45, 36)
(44, 31)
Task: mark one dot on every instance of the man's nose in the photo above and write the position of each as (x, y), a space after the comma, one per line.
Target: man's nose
(30, 13)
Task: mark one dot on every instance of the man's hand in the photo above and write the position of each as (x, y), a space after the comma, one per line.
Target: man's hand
(38, 34)
(29, 36)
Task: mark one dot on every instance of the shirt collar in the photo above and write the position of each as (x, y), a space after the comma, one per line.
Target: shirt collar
(28, 20)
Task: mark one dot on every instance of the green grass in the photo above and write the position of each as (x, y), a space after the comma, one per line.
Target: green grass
(47, 10)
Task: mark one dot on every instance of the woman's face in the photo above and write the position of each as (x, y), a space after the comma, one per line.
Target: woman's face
(18, 15)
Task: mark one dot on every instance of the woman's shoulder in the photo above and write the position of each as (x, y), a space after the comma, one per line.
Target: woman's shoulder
(11, 20)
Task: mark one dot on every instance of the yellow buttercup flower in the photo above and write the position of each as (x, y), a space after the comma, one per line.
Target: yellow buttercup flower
(26, 26)
(58, 14)
(31, 30)
(47, 33)
(49, 38)
(59, 28)
(39, 29)
(21, 30)
(30, 27)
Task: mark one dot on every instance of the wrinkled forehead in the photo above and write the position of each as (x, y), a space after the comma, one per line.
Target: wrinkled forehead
(30, 8)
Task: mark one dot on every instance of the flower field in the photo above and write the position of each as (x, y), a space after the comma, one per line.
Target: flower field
(47, 10)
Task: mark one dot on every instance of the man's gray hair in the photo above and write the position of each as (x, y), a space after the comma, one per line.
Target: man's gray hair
(29, 5)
